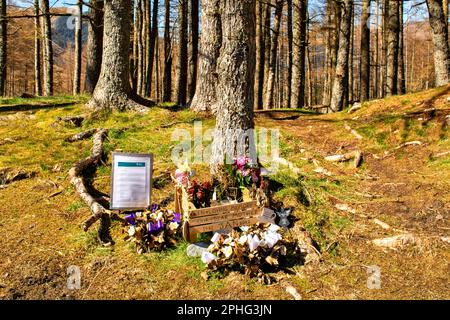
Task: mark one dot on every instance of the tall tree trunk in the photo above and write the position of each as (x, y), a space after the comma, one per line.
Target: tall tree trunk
(3, 47)
(48, 52)
(113, 89)
(393, 29)
(134, 60)
(401, 58)
(445, 9)
(349, 95)
(182, 66)
(235, 68)
(267, 37)
(440, 42)
(260, 55)
(273, 54)
(299, 66)
(205, 97)
(377, 51)
(37, 51)
(290, 36)
(365, 52)
(384, 48)
(193, 57)
(140, 48)
(167, 86)
(94, 45)
(339, 85)
(78, 50)
(152, 44)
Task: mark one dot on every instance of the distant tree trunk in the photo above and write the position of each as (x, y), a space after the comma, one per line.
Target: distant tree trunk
(48, 52)
(377, 51)
(260, 55)
(299, 65)
(267, 36)
(273, 55)
(334, 23)
(78, 50)
(134, 60)
(401, 58)
(393, 29)
(236, 68)
(94, 45)
(113, 89)
(440, 42)
(182, 66)
(290, 35)
(365, 52)
(193, 57)
(339, 85)
(140, 48)
(3, 47)
(211, 42)
(349, 95)
(152, 44)
(384, 48)
(37, 51)
(167, 81)
(445, 9)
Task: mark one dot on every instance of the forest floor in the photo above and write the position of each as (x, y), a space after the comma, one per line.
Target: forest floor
(405, 186)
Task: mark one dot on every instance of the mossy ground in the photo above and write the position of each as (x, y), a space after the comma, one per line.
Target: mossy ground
(41, 234)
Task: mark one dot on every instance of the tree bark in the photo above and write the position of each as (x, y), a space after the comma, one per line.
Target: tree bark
(193, 57)
(273, 55)
(365, 52)
(182, 67)
(299, 65)
(267, 37)
(48, 52)
(236, 68)
(440, 42)
(94, 45)
(3, 47)
(260, 56)
(290, 35)
(37, 51)
(167, 90)
(393, 29)
(211, 42)
(113, 89)
(401, 58)
(339, 85)
(152, 45)
(140, 48)
(78, 50)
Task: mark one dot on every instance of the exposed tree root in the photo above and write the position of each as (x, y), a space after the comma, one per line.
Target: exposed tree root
(77, 178)
(136, 104)
(356, 155)
(82, 135)
(76, 121)
(397, 242)
(8, 175)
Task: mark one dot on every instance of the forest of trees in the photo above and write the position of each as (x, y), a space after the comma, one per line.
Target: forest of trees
(320, 54)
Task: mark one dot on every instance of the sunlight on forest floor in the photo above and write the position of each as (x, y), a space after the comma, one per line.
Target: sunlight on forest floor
(41, 234)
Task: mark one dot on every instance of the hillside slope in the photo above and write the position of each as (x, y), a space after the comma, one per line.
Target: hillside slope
(400, 188)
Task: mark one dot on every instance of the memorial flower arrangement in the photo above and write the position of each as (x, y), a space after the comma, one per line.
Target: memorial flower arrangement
(183, 174)
(200, 194)
(153, 230)
(254, 251)
(245, 172)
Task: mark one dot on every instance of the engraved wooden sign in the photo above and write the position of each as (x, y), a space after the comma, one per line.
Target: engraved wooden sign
(215, 218)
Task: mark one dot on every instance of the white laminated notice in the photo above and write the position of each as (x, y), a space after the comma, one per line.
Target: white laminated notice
(131, 181)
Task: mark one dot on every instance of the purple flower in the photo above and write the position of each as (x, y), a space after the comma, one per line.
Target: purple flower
(176, 218)
(241, 162)
(155, 227)
(154, 207)
(255, 177)
(131, 219)
(245, 173)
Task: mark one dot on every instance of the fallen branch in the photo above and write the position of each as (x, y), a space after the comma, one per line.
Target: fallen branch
(82, 135)
(396, 242)
(353, 132)
(8, 175)
(76, 175)
(403, 145)
(356, 155)
(76, 121)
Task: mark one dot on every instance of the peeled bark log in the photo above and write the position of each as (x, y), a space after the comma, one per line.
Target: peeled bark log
(339, 85)
(440, 41)
(113, 89)
(211, 42)
(236, 66)
(94, 45)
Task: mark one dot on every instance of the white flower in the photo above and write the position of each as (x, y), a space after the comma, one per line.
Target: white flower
(215, 237)
(228, 251)
(160, 216)
(208, 257)
(274, 228)
(173, 226)
(242, 240)
(254, 242)
(271, 238)
(245, 228)
(131, 231)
